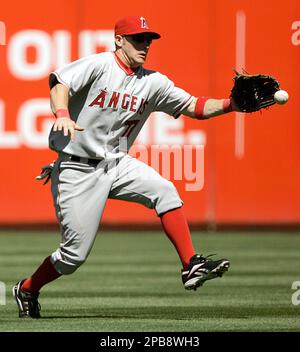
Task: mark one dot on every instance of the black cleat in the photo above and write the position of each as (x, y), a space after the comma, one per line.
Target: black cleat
(28, 304)
(201, 269)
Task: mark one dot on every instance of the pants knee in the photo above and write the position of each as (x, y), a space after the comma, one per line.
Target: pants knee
(64, 265)
(167, 198)
(66, 268)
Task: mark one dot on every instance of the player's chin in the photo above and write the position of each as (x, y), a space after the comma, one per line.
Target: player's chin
(141, 59)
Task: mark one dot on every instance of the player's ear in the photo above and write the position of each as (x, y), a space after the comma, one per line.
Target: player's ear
(119, 41)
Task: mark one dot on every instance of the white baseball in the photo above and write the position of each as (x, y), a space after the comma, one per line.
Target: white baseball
(281, 97)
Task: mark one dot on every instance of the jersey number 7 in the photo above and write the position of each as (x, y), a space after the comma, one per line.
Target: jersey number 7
(130, 125)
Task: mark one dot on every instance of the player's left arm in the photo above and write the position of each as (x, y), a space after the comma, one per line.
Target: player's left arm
(205, 108)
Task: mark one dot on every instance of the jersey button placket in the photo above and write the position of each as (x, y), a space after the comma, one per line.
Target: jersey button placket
(127, 81)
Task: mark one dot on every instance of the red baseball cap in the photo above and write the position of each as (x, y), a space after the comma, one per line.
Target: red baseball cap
(134, 25)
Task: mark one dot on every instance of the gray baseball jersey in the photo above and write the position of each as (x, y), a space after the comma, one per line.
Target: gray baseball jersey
(110, 101)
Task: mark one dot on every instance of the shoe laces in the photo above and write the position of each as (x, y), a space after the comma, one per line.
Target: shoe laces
(205, 257)
(32, 301)
(196, 258)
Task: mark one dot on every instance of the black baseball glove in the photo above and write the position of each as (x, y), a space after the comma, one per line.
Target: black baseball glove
(253, 92)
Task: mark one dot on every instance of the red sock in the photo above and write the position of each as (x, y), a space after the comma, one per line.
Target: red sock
(176, 228)
(43, 275)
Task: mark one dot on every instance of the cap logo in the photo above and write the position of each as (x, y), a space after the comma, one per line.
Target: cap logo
(144, 23)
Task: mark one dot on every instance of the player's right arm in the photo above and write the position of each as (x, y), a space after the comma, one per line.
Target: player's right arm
(59, 98)
(67, 81)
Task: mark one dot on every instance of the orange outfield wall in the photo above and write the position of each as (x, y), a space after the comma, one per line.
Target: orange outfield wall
(251, 163)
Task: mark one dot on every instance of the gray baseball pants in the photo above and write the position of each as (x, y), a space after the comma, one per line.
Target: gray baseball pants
(80, 192)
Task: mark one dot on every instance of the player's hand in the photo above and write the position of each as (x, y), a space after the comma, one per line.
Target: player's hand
(68, 126)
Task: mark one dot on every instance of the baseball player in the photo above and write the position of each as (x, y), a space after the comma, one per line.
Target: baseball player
(101, 103)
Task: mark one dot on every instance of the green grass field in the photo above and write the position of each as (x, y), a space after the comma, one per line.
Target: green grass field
(131, 282)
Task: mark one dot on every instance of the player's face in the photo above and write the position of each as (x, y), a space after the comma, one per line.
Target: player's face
(135, 48)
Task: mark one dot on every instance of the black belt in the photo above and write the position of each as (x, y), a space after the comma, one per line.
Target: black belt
(92, 162)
